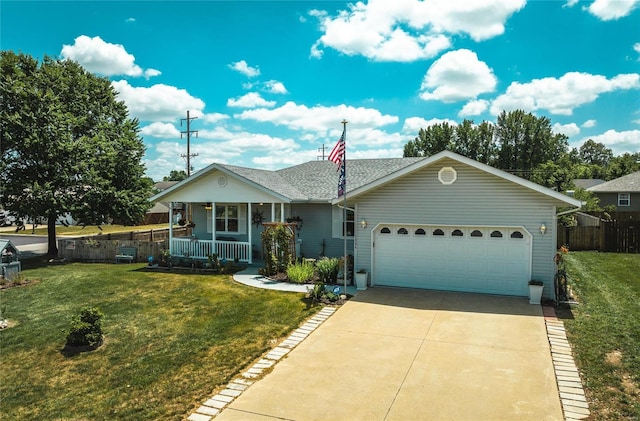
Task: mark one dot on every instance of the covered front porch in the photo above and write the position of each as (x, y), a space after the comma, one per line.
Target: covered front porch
(229, 230)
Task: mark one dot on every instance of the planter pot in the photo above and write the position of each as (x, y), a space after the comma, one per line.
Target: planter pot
(361, 281)
(535, 293)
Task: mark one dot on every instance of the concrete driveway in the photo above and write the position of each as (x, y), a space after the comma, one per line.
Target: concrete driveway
(402, 354)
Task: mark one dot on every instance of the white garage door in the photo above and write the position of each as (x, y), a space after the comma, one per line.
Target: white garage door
(492, 260)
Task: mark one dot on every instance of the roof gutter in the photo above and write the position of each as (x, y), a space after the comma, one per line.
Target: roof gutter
(348, 208)
(569, 211)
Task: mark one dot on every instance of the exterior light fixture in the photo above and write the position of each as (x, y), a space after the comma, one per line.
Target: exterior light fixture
(543, 228)
(363, 223)
(208, 206)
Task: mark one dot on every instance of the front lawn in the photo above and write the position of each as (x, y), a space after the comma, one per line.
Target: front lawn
(604, 330)
(170, 340)
(76, 230)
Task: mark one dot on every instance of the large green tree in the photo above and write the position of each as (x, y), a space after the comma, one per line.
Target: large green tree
(67, 145)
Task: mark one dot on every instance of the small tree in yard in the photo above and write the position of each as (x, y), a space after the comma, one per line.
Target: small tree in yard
(67, 145)
(278, 248)
(86, 329)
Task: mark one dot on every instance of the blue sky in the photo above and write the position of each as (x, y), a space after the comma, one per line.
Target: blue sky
(270, 81)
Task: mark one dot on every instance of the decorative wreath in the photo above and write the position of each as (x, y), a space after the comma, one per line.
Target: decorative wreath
(257, 218)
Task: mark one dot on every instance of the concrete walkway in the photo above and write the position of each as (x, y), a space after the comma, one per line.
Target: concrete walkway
(401, 354)
(252, 278)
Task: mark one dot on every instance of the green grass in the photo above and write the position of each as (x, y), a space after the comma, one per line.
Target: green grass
(76, 230)
(604, 330)
(170, 340)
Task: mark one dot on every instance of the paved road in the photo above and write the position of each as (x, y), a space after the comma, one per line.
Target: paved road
(27, 244)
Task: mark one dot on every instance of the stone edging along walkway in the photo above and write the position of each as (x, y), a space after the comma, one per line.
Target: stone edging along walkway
(213, 406)
(574, 404)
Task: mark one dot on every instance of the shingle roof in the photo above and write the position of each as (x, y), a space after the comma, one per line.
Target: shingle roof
(270, 180)
(585, 183)
(318, 180)
(628, 183)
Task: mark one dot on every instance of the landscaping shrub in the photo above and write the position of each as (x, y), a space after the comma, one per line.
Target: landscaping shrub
(300, 272)
(328, 269)
(86, 328)
(278, 248)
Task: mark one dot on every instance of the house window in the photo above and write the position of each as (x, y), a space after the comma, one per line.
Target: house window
(403, 231)
(385, 230)
(227, 218)
(517, 234)
(457, 233)
(420, 231)
(438, 232)
(496, 234)
(339, 227)
(624, 199)
(476, 233)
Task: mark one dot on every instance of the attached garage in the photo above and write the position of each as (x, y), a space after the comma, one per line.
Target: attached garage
(484, 259)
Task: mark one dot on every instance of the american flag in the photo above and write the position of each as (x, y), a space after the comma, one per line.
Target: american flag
(337, 156)
(337, 153)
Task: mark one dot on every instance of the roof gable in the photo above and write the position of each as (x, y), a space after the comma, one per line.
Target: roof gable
(432, 160)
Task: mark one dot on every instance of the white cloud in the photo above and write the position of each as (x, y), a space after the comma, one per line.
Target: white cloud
(161, 130)
(612, 9)
(570, 3)
(618, 142)
(158, 102)
(568, 130)
(131, 20)
(412, 125)
(457, 75)
(474, 107)
(275, 87)
(214, 117)
(98, 56)
(589, 123)
(242, 67)
(250, 100)
(561, 96)
(318, 118)
(149, 73)
(409, 30)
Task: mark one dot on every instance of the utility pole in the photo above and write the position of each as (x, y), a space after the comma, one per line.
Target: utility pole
(322, 149)
(188, 132)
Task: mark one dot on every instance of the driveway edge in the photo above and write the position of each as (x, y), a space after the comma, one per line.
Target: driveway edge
(235, 387)
(574, 403)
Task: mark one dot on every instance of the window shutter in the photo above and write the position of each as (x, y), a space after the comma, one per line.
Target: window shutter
(242, 218)
(336, 231)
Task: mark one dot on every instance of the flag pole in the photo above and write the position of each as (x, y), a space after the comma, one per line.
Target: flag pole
(344, 206)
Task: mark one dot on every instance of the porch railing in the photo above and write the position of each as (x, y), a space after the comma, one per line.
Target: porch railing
(201, 249)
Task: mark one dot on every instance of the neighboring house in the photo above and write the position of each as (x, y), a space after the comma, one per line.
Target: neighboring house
(623, 193)
(585, 183)
(444, 222)
(159, 212)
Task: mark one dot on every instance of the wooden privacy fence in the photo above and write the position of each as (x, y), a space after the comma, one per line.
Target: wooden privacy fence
(146, 235)
(618, 235)
(90, 250)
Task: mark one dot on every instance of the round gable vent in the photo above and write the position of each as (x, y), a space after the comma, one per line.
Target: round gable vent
(222, 181)
(447, 175)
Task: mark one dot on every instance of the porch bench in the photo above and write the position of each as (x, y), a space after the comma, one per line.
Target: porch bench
(126, 254)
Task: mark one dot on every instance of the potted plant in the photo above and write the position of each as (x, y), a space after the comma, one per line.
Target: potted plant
(361, 280)
(535, 291)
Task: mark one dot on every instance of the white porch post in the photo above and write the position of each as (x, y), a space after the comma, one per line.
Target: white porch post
(250, 231)
(273, 212)
(213, 228)
(170, 227)
(281, 211)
